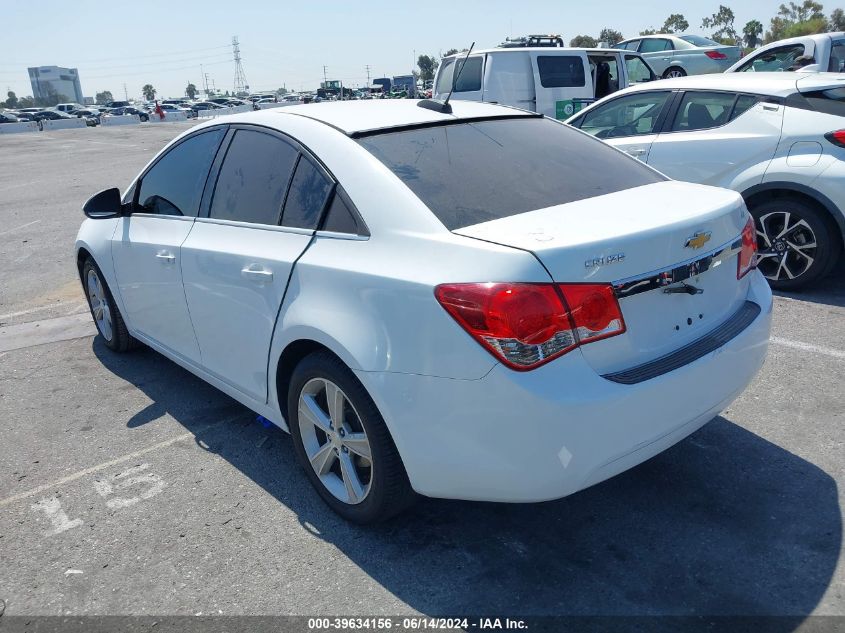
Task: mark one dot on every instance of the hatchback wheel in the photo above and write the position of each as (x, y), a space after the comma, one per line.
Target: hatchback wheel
(342, 442)
(106, 316)
(794, 242)
(674, 72)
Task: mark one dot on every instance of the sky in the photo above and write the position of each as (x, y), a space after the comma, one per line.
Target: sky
(171, 43)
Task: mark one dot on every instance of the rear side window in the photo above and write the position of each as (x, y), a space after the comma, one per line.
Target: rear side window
(173, 186)
(253, 179)
(654, 45)
(703, 110)
(831, 101)
(473, 172)
(308, 193)
(743, 103)
(339, 217)
(444, 77)
(837, 57)
(469, 79)
(560, 71)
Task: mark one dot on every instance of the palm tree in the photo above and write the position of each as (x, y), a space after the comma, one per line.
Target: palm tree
(149, 92)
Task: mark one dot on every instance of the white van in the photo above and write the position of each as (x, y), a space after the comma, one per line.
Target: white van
(68, 107)
(553, 81)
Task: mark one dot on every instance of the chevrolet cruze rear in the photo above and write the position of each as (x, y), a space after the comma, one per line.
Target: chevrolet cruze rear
(484, 304)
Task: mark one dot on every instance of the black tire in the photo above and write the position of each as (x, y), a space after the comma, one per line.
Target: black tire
(789, 262)
(676, 69)
(118, 338)
(389, 489)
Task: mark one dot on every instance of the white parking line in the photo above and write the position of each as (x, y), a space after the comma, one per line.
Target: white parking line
(808, 347)
(76, 305)
(34, 333)
(22, 226)
(113, 462)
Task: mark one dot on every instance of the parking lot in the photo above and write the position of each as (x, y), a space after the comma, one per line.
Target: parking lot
(131, 487)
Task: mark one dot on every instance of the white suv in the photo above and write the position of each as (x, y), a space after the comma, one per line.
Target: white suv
(777, 138)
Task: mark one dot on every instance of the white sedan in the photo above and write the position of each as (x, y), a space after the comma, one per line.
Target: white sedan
(482, 304)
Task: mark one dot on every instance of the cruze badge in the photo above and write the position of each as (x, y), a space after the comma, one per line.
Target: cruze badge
(699, 239)
(605, 260)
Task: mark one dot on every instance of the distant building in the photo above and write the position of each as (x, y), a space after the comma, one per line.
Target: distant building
(65, 81)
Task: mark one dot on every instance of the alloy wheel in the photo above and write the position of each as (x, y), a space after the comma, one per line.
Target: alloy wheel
(335, 441)
(674, 74)
(786, 245)
(99, 305)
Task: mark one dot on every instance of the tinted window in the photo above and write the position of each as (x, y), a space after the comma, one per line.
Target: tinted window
(307, 196)
(837, 57)
(174, 184)
(253, 179)
(703, 110)
(469, 173)
(630, 115)
(653, 45)
(339, 218)
(560, 71)
(745, 102)
(831, 101)
(633, 45)
(469, 79)
(697, 40)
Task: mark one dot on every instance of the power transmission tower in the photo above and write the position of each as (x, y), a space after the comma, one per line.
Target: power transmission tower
(325, 80)
(368, 75)
(241, 84)
(125, 92)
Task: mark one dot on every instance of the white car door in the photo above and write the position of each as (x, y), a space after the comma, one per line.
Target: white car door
(629, 122)
(509, 80)
(146, 244)
(237, 261)
(562, 82)
(715, 138)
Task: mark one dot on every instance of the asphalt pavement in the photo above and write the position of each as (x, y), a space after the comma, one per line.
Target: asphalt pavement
(128, 486)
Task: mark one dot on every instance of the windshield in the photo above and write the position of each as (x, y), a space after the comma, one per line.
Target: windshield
(697, 40)
(473, 172)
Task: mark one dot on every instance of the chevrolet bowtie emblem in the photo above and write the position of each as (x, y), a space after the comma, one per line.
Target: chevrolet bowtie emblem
(698, 240)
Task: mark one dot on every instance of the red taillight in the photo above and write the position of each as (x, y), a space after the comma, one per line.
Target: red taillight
(715, 55)
(837, 137)
(525, 325)
(748, 253)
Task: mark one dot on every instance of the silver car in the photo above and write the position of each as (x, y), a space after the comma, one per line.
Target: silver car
(681, 55)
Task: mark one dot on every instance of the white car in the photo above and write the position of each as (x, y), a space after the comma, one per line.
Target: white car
(823, 52)
(776, 138)
(485, 304)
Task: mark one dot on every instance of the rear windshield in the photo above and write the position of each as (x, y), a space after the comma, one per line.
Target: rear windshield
(830, 101)
(469, 173)
(697, 40)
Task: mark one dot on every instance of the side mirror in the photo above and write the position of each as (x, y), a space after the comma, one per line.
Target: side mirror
(104, 205)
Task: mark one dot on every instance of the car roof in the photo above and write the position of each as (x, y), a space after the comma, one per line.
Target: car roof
(355, 117)
(816, 37)
(552, 50)
(775, 84)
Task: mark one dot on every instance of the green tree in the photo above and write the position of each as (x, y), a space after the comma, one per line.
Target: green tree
(282, 92)
(722, 23)
(610, 36)
(837, 20)
(428, 66)
(751, 33)
(190, 91)
(675, 23)
(807, 10)
(26, 102)
(451, 51)
(103, 97)
(148, 91)
(11, 99)
(583, 41)
(649, 31)
(794, 20)
(50, 97)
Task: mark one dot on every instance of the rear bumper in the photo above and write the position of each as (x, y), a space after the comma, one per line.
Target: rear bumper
(544, 434)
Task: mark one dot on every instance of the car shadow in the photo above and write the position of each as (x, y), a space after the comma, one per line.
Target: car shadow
(724, 523)
(829, 291)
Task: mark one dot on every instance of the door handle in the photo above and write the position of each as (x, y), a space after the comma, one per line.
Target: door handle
(256, 273)
(167, 258)
(635, 152)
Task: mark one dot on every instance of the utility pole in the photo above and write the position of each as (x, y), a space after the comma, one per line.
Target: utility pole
(206, 85)
(125, 92)
(368, 76)
(325, 79)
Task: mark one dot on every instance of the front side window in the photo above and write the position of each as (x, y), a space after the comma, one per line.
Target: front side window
(631, 115)
(253, 179)
(703, 110)
(173, 186)
(308, 193)
(560, 71)
(775, 60)
(655, 45)
(633, 45)
(837, 57)
(473, 172)
(638, 70)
